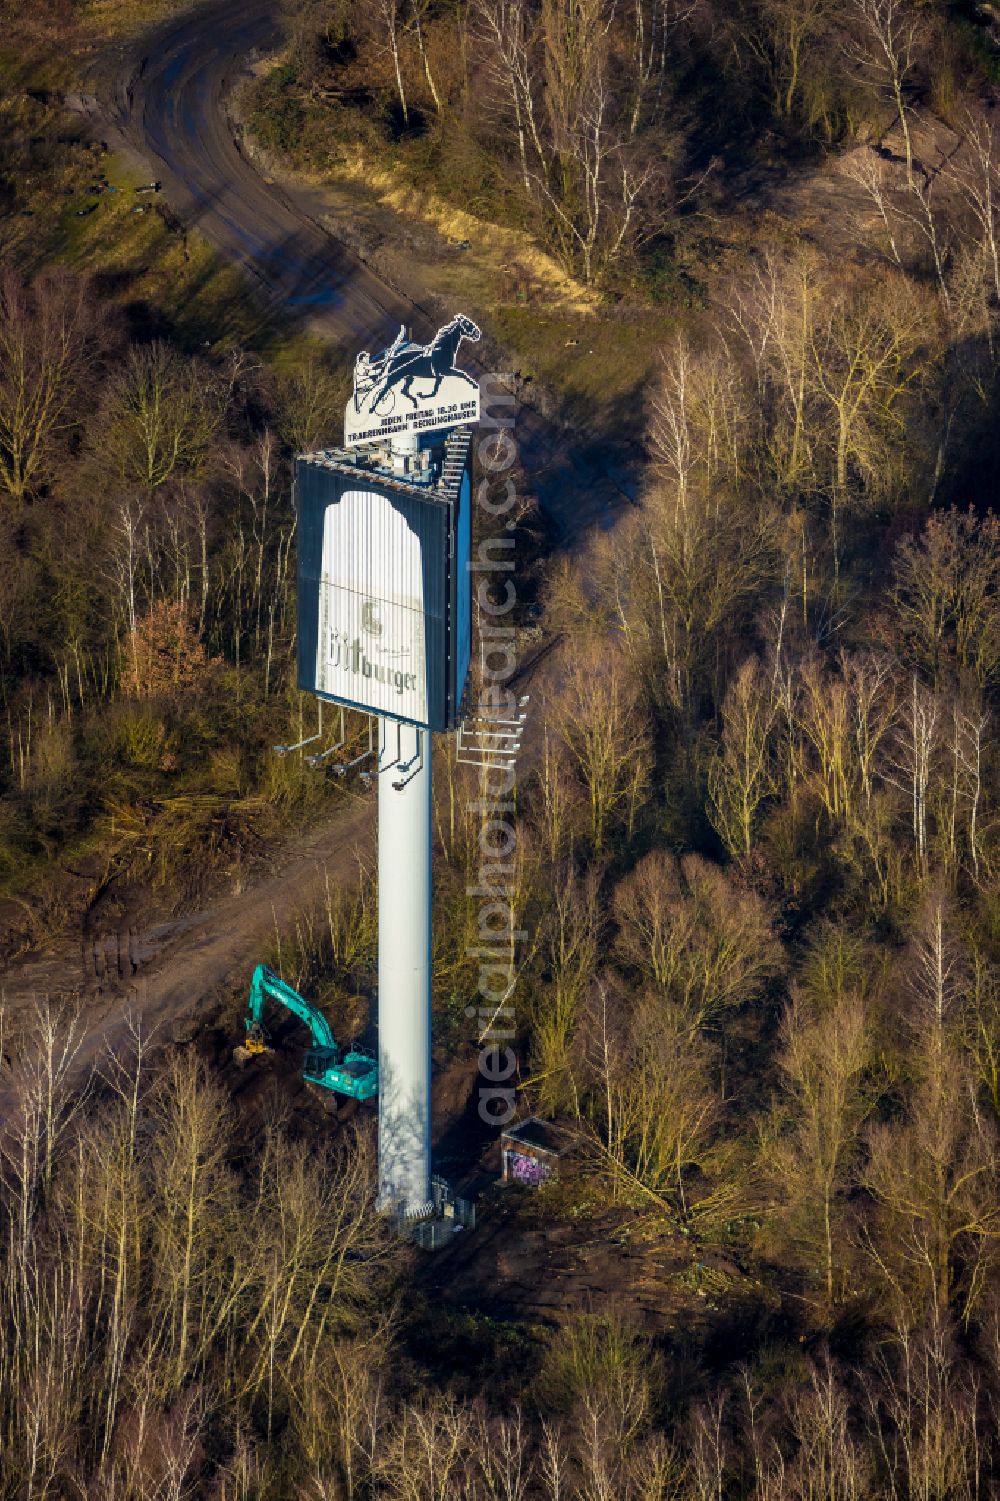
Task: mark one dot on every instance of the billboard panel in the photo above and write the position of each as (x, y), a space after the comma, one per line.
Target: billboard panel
(372, 646)
(383, 588)
(412, 388)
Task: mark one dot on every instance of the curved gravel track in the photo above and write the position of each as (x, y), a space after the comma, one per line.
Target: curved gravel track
(166, 95)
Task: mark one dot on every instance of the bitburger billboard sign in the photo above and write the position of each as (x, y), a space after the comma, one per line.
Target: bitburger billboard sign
(385, 612)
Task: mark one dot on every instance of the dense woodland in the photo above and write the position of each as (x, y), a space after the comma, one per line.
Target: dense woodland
(757, 849)
(602, 127)
(145, 597)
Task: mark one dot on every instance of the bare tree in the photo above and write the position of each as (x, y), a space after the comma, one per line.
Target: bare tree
(196, 1198)
(977, 174)
(600, 1371)
(337, 1412)
(650, 1105)
(947, 593)
(502, 1456)
(389, 12)
(599, 716)
(675, 578)
(778, 34)
(699, 421)
(706, 944)
(419, 10)
(570, 947)
(887, 48)
(924, 1410)
(983, 1028)
(918, 743)
(423, 1457)
(935, 1176)
(847, 723)
(864, 360)
(776, 314)
(830, 1461)
(654, 25)
(507, 28)
(710, 1451)
(825, 720)
(46, 345)
(827, 1064)
(600, 198)
(308, 397)
(159, 416)
(574, 39)
(556, 808)
(742, 776)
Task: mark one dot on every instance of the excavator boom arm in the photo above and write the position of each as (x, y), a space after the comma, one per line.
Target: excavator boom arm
(266, 985)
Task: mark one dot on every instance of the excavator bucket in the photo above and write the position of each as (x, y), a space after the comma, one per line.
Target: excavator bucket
(256, 1039)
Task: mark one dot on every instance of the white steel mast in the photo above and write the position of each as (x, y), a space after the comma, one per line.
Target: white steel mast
(404, 967)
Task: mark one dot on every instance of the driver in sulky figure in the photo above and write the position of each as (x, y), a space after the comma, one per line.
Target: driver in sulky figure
(367, 373)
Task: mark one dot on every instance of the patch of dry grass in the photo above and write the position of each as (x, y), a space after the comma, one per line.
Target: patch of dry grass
(45, 45)
(77, 219)
(119, 18)
(498, 253)
(596, 363)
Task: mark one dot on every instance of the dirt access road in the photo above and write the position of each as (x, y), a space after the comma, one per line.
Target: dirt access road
(163, 99)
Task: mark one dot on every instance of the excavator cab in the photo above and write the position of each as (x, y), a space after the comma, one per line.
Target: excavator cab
(318, 1060)
(355, 1076)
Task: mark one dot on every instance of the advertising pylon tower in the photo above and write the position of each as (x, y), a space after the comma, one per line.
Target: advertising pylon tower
(385, 624)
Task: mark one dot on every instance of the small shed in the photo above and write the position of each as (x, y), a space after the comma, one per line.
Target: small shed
(531, 1151)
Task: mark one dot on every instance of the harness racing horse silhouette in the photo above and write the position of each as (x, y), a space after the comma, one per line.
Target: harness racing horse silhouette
(402, 364)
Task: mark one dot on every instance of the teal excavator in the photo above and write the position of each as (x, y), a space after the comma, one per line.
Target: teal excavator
(353, 1074)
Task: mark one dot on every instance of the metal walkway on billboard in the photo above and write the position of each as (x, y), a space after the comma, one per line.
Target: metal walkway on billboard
(488, 739)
